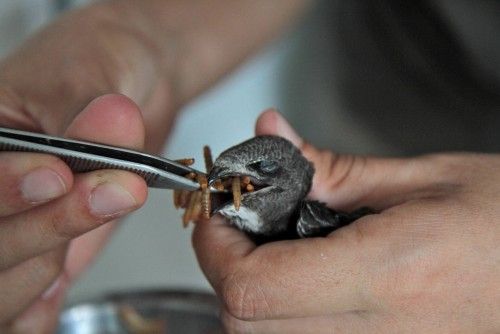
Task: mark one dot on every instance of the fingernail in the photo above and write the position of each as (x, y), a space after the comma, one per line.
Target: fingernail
(110, 199)
(284, 129)
(41, 185)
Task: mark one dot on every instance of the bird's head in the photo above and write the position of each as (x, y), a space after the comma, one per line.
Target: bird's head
(281, 177)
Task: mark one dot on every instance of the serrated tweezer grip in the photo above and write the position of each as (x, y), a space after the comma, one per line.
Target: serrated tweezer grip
(84, 156)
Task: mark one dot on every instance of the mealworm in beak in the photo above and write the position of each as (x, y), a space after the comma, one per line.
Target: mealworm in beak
(236, 193)
(218, 185)
(250, 187)
(245, 180)
(197, 204)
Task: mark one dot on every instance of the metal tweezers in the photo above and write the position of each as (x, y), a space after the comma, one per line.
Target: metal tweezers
(82, 156)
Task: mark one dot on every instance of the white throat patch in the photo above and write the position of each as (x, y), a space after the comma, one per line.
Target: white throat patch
(244, 218)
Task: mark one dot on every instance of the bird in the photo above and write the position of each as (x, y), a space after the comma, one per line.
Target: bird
(277, 208)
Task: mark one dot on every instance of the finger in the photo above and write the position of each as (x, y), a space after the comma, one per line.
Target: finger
(215, 242)
(84, 248)
(23, 284)
(95, 198)
(270, 122)
(348, 182)
(286, 279)
(111, 119)
(43, 315)
(118, 121)
(31, 179)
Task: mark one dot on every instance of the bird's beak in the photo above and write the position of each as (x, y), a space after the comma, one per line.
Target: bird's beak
(219, 199)
(218, 173)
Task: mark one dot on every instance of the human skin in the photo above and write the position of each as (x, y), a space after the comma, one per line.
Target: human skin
(158, 53)
(429, 262)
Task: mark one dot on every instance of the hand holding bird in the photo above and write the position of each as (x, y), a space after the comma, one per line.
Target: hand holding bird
(430, 256)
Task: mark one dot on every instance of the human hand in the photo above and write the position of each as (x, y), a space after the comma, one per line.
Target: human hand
(81, 55)
(46, 212)
(44, 86)
(429, 262)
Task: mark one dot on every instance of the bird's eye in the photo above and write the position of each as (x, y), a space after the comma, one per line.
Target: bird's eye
(268, 167)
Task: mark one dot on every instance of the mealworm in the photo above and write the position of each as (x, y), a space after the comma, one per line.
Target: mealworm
(206, 205)
(191, 175)
(184, 198)
(202, 180)
(196, 212)
(218, 185)
(177, 198)
(250, 187)
(186, 162)
(236, 192)
(207, 154)
(244, 181)
(205, 202)
(197, 204)
(188, 213)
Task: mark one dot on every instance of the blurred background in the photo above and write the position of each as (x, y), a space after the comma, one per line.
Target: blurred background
(373, 77)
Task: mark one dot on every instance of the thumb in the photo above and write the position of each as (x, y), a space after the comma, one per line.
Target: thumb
(114, 120)
(350, 181)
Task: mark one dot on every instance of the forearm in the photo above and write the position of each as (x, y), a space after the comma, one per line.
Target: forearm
(160, 53)
(200, 41)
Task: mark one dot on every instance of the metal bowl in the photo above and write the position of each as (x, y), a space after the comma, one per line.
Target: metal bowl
(144, 312)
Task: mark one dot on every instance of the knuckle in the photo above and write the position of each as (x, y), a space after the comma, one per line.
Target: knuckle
(58, 226)
(243, 299)
(342, 171)
(51, 265)
(358, 233)
(445, 168)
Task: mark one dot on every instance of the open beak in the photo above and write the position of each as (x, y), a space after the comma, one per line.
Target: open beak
(218, 173)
